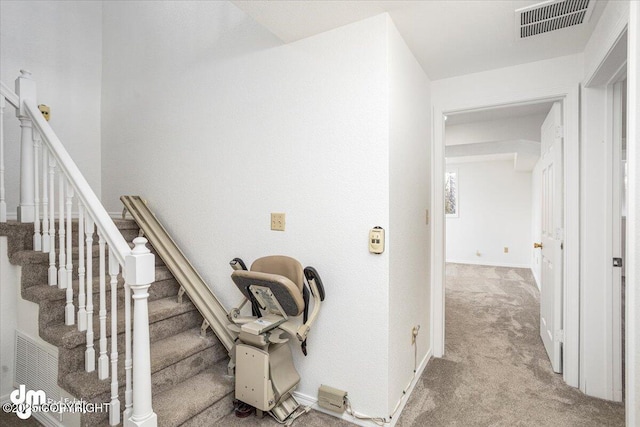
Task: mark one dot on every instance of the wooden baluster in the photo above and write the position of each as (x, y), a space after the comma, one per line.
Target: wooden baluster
(46, 244)
(128, 361)
(140, 273)
(114, 407)
(37, 237)
(69, 309)
(103, 360)
(53, 271)
(62, 268)
(3, 203)
(82, 312)
(90, 353)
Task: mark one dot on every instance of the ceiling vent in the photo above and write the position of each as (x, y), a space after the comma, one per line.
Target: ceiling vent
(552, 15)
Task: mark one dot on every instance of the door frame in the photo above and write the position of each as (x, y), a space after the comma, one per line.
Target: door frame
(569, 96)
(613, 236)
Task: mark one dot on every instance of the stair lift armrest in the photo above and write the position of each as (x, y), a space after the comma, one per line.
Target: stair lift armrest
(303, 330)
(290, 328)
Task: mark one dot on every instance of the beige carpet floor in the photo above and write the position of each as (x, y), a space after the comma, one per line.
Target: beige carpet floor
(496, 371)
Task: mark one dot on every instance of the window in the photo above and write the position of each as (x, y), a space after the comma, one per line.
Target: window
(451, 194)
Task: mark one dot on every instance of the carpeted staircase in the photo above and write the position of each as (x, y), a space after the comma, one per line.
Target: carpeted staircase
(190, 386)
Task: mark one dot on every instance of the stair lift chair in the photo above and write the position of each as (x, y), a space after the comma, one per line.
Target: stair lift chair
(264, 370)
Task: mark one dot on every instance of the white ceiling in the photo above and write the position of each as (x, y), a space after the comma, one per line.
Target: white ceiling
(448, 37)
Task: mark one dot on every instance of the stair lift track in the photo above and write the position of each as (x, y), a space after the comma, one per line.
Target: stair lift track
(186, 275)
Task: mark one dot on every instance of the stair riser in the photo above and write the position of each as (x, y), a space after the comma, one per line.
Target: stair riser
(19, 237)
(162, 289)
(162, 380)
(74, 357)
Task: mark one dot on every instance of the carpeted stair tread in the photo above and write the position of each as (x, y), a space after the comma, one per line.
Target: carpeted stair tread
(19, 236)
(68, 336)
(126, 224)
(193, 396)
(25, 257)
(37, 257)
(45, 292)
(164, 353)
(188, 372)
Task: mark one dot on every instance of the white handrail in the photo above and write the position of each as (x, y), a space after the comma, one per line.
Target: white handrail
(83, 191)
(138, 265)
(10, 95)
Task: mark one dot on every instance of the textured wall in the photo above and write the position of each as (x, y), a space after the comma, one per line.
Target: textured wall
(494, 212)
(208, 117)
(61, 44)
(410, 192)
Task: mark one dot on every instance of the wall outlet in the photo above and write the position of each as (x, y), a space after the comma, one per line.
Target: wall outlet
(277, 221)
(506, 249)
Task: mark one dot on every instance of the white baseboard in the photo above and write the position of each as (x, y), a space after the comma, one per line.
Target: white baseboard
(405, 397)
(306, 400)
(488, 263)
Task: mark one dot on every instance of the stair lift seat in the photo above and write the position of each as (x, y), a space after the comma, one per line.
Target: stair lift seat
(264, 370)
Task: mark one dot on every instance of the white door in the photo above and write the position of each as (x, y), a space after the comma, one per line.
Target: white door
(552, 236)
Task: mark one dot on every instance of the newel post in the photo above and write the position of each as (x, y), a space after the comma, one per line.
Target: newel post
(26, 90)
(139, 274)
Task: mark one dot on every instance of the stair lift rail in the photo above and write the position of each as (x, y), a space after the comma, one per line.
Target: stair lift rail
(43, 156)
(194, 286)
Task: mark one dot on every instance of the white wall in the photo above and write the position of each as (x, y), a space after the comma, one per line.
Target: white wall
(61, 44)
(217, 124)
(513, 128)
(494, 212)
(489, 88)
(8, 319)
(409, 236)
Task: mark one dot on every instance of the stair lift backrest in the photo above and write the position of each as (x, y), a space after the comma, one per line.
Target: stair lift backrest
(281, 265)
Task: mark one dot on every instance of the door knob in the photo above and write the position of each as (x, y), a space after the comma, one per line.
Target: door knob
(537, 245)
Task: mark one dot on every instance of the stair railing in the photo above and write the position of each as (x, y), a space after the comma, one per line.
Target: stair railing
(137, 266)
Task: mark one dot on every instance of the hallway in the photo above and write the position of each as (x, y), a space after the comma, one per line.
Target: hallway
(496, 371)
